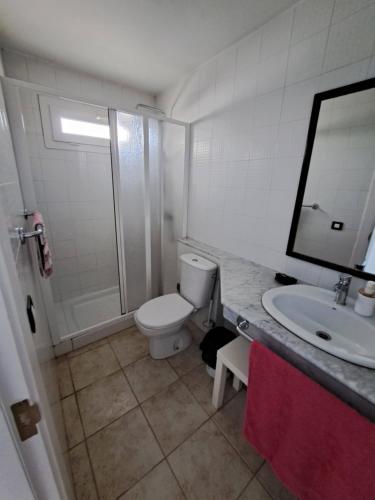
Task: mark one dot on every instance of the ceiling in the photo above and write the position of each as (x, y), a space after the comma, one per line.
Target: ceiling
(149, 44)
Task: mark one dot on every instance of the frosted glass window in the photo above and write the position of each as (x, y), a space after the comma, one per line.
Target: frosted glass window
(84, 129)
(74, 125)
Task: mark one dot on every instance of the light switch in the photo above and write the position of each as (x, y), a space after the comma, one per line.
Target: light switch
(337, 226)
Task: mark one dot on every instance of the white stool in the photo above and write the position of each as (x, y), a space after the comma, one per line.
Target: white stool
(234, 357)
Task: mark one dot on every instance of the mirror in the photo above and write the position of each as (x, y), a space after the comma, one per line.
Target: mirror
(334, 216)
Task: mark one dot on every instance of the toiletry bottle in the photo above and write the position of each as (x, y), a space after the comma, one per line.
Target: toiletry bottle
(364, 305)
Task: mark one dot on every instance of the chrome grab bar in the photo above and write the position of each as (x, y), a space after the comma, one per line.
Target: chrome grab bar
(243, 324)
(24, 235)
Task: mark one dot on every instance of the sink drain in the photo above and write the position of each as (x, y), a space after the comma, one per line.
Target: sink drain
(323, 335)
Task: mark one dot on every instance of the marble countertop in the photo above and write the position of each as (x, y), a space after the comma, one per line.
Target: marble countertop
(242, 285)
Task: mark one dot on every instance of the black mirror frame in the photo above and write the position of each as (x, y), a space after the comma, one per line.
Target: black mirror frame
(318, 98)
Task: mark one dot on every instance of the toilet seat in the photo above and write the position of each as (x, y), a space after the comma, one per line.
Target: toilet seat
(163, 312)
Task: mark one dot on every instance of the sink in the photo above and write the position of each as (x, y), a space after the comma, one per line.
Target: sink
(311, 313)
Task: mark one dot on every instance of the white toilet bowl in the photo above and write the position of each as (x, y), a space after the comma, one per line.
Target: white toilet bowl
(162, 321)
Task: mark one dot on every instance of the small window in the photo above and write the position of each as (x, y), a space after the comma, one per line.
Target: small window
(73, 125)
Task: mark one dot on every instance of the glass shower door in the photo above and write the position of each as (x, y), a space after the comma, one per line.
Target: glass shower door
(128, 162)
(64, 162)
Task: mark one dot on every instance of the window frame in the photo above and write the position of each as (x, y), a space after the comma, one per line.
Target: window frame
(53, 108)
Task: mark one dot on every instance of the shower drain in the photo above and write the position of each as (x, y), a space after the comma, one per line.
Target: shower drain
(323, 335)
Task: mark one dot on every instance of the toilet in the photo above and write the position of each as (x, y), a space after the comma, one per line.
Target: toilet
(162, 320)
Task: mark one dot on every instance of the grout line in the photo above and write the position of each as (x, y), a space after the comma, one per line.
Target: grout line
(85, 348)
(246, 486)
(329, 29)
(92, 469)
(142, 477)
(97, 380)
(84, 441)
(153, 432)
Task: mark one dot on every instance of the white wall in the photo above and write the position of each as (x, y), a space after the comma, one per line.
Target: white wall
(71, 83)
(250, 109)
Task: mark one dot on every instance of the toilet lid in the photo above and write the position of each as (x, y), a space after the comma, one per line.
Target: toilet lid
(164, 311)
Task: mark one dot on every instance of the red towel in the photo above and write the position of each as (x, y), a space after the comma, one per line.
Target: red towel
(318, 446)
(43, 249)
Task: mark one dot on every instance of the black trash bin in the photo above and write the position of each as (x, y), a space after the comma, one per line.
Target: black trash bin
(212, 342)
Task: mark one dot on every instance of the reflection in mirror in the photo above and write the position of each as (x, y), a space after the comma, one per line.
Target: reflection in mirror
(337, 214)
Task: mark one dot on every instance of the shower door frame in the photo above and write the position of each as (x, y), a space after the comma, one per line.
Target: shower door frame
(97, 331)
(112, 114)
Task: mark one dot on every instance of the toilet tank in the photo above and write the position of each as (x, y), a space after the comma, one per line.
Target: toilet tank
(197, 279)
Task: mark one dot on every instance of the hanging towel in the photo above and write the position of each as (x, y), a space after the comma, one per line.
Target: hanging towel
(318, 446)
(43, 250)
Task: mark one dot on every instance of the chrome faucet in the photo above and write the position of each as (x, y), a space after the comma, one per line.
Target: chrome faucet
(342, 289)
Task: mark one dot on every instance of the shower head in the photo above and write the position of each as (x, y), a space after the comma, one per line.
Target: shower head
(151, 109)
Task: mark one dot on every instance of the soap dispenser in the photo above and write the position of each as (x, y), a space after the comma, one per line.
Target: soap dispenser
(364, 305)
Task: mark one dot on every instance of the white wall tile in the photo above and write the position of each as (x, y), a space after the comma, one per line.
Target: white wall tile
(306, 58)
(351, 40)
(345, 8)
(267, 108)
(271, 73)
(276, 34)
(298, 100)
(72, 83)
(311, 16)
(248, 51)
(371, 68)
(292, 138)
(68, 80)
(15, 65)
(41, 72)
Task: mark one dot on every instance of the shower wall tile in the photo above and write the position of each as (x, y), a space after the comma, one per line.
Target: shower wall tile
(72, 83)
(247, 149)
(74, 193)
(73, 190)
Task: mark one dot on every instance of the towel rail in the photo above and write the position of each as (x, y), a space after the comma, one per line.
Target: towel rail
(313, 206)
(24, 235)
(243, 324)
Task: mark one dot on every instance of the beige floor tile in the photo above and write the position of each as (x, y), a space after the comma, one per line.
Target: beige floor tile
(159, 484)
(86, 348)
(122, 453)
(73, 426)
(230, 421)
(104, 401)
(207, 467)
(83, 480)
(129, 346)
(186, 360)
(201, 385)
(92, 365)
(273, 484)
(255, 491)
(64, 377)
(173, 415)
(149, 376)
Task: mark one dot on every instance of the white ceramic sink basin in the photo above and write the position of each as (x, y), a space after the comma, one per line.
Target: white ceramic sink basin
(311, 313)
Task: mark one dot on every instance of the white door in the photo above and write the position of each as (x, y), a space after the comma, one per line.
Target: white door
(20, 366)
(13, 480)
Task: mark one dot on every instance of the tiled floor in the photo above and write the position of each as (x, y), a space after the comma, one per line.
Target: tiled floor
(144, 429)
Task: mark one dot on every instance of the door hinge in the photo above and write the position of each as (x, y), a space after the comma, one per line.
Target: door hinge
(26, 416)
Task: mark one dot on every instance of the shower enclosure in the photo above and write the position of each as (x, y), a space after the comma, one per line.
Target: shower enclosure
(112, 188)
